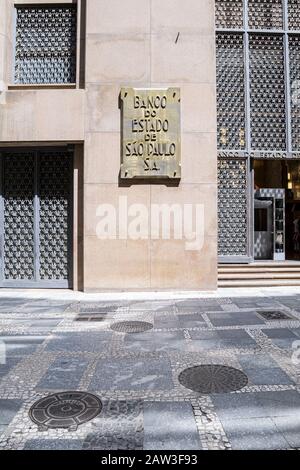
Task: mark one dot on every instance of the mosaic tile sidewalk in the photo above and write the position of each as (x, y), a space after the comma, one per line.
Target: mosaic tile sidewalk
(50, 346)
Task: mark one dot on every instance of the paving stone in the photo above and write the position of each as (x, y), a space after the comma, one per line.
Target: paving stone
(205, 335)
(258, 404)
(257, 361)
(45, 309)
(255, 302)
(271, 376)
(289, 427)
(254, 434)
(282, 337)
(281, 403)
(119, 427)
(205, 345)
(295, 331)
(170, 426)
(53, 444)
(3, 428)
(150, 306)
(21, 345)
(166, 321)
(10, 363)
(10, 305)
(64, 373)
(200, 304)
(234, 318)
(280, 333)
(132, 374)
(200, 309)
(191, 321)
(155, 341)
(8, 409)
(226, 339)
(290, 302)
(80, 341)
(45, 323)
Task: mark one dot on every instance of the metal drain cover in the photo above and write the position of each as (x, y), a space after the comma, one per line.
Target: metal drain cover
(131, 326)
(91, 318)
(211, 378)
(96, 308)
(65, 410)
(274, 315)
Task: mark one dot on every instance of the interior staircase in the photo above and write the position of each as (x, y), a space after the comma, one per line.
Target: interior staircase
(259, 274)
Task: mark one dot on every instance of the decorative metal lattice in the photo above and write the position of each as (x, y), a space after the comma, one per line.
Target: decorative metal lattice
(229, 13)
(230, 91)
(294, 53)
(267, 92)
(45, 45)
(18, 194)
(232, 207)
(294, 16)
(265, 14)
(54, 209)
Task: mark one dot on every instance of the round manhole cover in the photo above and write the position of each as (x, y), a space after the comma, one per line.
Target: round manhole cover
(131, 326)
(211, 378)
(65, 410)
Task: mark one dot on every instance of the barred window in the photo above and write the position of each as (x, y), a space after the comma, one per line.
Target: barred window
(231, 106)
(258, 75)
(45, 49)
(267, 92)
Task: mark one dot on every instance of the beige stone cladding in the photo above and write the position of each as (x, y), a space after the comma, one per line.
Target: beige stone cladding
(139, 44)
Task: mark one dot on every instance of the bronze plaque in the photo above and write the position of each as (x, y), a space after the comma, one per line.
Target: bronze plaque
(150, 133)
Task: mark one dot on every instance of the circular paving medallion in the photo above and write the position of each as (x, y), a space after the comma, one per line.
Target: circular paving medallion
(131, 326)
(65, 410)
(211, 378)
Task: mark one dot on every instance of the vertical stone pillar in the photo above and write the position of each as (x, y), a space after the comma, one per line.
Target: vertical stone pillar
(144, 44)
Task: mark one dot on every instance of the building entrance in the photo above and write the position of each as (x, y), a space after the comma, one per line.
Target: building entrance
(36, 218)
(276, 210)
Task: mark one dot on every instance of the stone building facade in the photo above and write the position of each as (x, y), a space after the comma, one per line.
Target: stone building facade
(62, 67)
(210, 89)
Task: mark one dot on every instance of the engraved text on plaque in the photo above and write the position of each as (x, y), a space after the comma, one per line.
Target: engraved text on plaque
(150, 133)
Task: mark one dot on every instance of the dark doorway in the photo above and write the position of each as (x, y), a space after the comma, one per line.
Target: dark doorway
(36, 218)
(283, 174)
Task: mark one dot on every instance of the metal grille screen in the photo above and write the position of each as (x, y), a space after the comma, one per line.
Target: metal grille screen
(54, 215)
(45, 45)
(294, 49)
(229, 13)
(265, 14)
(36, 218)
(267, 92)
(18, 194)
(294, 14)
(258, 99)
(230, 91)
(232, 207)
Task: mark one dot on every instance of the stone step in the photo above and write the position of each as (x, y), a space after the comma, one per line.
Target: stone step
(259, 270)
(280, 265)
(258, 282)
(260, 275)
